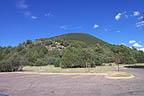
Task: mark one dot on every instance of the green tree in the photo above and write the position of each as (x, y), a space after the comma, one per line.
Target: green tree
(19, 48)
(48, 42)
(78, 44)
(76, 57)
(29, 42)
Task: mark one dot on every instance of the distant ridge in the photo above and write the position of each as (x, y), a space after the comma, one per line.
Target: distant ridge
(87, 38)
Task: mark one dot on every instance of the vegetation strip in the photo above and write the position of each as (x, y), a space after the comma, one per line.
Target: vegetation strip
(74, 50)
(106, 75)
(119, 75)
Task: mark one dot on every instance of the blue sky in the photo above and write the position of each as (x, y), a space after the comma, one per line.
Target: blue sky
(114, 21)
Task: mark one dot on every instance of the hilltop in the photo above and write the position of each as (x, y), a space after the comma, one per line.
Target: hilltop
(87, 38)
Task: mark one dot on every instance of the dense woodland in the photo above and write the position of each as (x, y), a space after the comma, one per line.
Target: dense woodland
(74, 50)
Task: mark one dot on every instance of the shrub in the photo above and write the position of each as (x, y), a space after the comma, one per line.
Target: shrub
(98, 60)
(48, 42)
(17, 62)
(53, 45)
(6, 67)
(40, 62)
(14, 63)
(57, 62)
(28, 42)
(78, 44)
(51, 60)
(74, 57)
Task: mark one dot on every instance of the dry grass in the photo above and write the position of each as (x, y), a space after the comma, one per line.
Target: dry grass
(97, 69)
(119, 74)
(52, 69)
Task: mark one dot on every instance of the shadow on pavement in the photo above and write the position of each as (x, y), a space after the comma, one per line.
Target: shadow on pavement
(131, 93)
(135, 66)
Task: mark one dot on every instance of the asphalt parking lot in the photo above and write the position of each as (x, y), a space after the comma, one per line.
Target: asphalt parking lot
(17, 84)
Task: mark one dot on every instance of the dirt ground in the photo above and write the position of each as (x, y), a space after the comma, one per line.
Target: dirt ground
(17, 84)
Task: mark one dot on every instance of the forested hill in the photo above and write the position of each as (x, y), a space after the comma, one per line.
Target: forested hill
(67, 51)
(87, 38)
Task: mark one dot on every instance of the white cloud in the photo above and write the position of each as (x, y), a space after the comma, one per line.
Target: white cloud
(132, 41)
(95, 26)
(142, 49)
(140, 24)
(137, 45)
(136, 13)
(118, 16)
(27, 13)
(118, 31)
(22, 4)
(140, 18)
(126, 16)
(64, 27)
(34, 17)
(70, 27)
(140, 41)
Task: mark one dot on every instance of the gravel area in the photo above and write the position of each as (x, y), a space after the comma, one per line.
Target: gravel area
(17, 84)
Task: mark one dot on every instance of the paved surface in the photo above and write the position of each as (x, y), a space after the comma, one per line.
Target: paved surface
(15, 84)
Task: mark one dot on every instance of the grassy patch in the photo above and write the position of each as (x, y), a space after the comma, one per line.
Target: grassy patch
(119, 74)
(52, 69)
(98, 69)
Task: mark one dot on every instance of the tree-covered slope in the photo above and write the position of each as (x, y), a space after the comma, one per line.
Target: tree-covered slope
(67, 51)
(87, 38)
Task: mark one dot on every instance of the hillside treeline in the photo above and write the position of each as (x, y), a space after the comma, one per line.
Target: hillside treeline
(65, 54)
